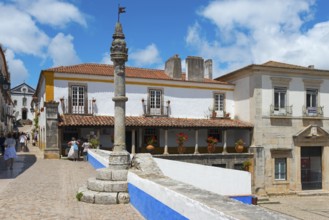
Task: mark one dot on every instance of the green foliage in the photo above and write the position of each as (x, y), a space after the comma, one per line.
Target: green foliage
(36, 122)
(94, 142)
(79, 196)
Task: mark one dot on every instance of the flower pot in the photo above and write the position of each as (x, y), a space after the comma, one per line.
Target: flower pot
(239, 148)
(181, 149)
(150, 147)
(211, 148)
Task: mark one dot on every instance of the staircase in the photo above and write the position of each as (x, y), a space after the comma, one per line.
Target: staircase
(108, 187)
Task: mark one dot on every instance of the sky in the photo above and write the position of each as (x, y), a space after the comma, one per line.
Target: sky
(40, 34)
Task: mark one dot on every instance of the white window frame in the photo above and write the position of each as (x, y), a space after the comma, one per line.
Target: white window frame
(155, 101)
(279, 94)
(280, 168)
(219, 104)
(78, 99)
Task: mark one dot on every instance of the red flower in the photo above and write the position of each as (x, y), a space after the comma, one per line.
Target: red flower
(181, 138)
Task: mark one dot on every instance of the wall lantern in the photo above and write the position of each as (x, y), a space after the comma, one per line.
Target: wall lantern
(4, 83)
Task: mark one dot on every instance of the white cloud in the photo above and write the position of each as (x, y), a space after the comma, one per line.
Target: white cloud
(18, 72)
(20, 33)
(52, 12)
(252, 31)
(148, 56)
(106, 58)
(61, 50)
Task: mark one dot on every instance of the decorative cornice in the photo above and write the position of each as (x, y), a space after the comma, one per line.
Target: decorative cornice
(312, 83)
(280, 81)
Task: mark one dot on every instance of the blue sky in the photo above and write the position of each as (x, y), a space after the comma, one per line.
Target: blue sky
(39, 34)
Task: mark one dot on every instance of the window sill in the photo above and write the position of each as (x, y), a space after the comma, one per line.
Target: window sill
(280, 182)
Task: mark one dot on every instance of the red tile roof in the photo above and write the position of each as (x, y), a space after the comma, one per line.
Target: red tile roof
(131, 72)
(131, 121)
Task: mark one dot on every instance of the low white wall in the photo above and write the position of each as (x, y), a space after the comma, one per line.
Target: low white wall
(218, 180)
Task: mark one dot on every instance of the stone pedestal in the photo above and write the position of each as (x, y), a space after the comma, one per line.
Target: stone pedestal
(51, 150)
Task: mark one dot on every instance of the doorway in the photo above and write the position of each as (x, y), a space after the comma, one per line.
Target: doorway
(311, 168)
(24, 114)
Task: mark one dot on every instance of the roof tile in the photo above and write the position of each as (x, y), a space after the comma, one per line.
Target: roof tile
(131, 121)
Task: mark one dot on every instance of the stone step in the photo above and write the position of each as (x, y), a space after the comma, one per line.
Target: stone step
(313, 193)
(108, 174)
(106, 185)
(266, 200)
(109, 198)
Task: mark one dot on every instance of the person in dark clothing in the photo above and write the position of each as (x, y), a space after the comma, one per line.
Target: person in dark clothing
(2, 141)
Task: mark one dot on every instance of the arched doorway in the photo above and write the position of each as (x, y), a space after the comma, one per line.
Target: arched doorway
(24, 113)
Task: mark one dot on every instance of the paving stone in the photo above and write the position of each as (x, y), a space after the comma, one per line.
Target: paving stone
(46, 189)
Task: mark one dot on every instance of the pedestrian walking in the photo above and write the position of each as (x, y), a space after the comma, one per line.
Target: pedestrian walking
(2, 144)
(74, 149)
(22, 142)
(10, 151)
(86, 145)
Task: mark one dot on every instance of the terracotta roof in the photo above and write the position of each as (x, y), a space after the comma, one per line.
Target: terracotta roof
(131, 121)
(131, 72)
(283, 65)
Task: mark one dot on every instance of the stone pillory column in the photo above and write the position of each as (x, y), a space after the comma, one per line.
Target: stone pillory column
(110, 186)
(120, 158)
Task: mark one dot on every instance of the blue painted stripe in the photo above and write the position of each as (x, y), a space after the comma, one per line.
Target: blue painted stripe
(151, 208)
(94, 162)
(244, 199)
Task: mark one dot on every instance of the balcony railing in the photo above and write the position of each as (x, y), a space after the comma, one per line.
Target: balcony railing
(85, 108)
(313, 111)
(280, 111)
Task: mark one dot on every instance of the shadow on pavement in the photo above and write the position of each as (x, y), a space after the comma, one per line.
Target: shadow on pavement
(21, 164)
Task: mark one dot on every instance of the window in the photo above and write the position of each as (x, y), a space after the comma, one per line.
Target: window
(24, 101)
(155, 101)
(280, 168)
(219, 102)
(148, 134)
(311, 98)
(78, 99)
(216, 133)
(280, 94)
(15, 102)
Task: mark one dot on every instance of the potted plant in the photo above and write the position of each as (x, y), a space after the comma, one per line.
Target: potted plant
(181, 138)
(246, 164)
(94, 142)
(239, 145)
(211, 141)
(150, 141)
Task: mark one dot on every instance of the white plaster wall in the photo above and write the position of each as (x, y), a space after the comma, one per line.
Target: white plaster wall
(218, 180)
(267, 95)
(184, 102)
(242, 99)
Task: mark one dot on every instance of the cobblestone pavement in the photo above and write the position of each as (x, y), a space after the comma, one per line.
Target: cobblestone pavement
(302, 207)
(46, 189)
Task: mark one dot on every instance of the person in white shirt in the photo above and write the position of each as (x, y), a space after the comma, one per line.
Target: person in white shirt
(22, 141)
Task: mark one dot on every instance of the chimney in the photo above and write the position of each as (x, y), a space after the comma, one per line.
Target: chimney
(208, 69)
(194, 68)
(173, 67)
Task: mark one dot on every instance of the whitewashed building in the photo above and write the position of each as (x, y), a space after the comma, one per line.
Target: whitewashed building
(288, 106)
(161, 103)
(21, 96)
(6, 107)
